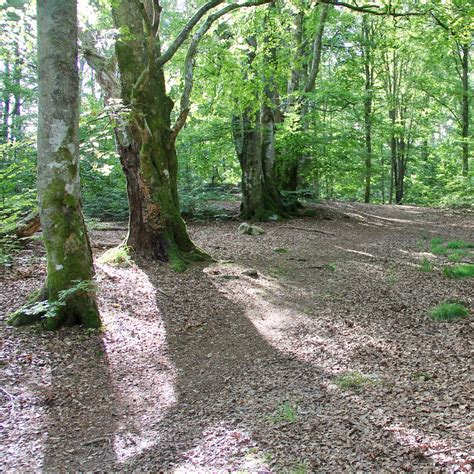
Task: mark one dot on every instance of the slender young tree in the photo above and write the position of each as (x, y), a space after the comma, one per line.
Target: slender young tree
(71, 300)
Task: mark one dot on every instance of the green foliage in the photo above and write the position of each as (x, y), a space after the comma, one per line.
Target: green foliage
(449, 311)
(48, 309)
(459, 244)
(301, 467)
(459, 271)
(103, 182)
(285, 412)
(17, 182)
(426, 265)
(455, 250)
(280, 250)
(8, 247)
(353, 381)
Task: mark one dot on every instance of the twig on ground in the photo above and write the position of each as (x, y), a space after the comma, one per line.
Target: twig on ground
(460, 448)
(100, 229)
(95, 440)
(162, 292)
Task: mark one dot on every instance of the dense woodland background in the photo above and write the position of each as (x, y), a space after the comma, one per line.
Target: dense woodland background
(385, 117)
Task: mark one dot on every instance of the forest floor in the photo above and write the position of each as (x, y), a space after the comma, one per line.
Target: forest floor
(213, 370)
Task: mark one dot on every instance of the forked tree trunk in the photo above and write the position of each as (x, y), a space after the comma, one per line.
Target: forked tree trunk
(260, 197)
(157, 229)
(64, 232)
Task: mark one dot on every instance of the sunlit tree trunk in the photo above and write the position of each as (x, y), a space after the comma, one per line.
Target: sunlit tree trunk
(64, 232)
(465, 109)
(6, 104)
(254, 139)
(368, 100)
(156, 226)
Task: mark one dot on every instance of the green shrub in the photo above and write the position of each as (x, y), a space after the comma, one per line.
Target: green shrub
(426, 265)
(448, 311)
(459, 244)
(459, 271)
(284, 412)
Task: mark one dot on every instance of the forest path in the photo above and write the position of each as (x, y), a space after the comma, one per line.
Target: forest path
(214, 370)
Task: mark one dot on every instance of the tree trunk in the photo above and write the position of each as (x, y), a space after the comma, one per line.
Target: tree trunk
(64, 232)
(465, 110)
(288, 166)
(157, 229)
(260, 197)
(6, 105)
(368, 98)
(15, 129)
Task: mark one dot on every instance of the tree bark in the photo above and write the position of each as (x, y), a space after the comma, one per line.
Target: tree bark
(368, 99)
(157, 229)
(65, 237)
(465, 110)
(254, 139)
(6, 105)
(260, 198)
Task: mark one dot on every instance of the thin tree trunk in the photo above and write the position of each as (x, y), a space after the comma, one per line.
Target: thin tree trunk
(368, 98)
(6, 104)
(465, 110)
(15, 129)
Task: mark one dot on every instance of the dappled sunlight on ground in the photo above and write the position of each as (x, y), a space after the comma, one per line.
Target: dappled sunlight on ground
(220, 445)
(440, 450)
(247, 364)
(135, 343)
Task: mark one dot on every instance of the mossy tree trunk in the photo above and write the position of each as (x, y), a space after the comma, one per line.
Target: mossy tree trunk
(254, 140)
(64, 232)
(260, 197)
(157, 229)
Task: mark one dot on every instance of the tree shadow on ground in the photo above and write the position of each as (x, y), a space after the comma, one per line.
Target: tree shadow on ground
(80, 405)
(230, 382)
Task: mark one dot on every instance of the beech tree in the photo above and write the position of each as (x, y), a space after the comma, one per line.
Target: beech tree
(68, 297)
(254, 136)
(148, 151)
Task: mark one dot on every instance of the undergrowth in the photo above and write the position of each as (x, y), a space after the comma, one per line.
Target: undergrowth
(354, 381)
(426, 266)
(449, 311)
(285, 412)
(455, 250)
(119, 256)
(459, 271)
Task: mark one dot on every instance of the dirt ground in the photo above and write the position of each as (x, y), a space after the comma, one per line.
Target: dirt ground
(213, 370)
